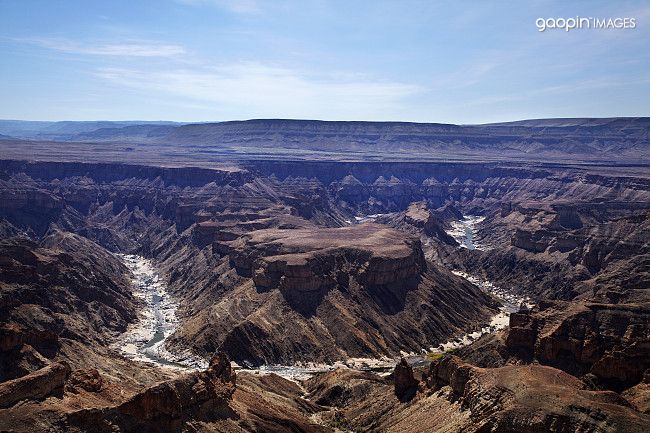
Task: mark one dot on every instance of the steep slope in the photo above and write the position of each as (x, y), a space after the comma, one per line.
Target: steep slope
(451, 395)
(328, 294)
(214, 400)
(267, 262)
(566, 250)
(607, 342)
(67, 285)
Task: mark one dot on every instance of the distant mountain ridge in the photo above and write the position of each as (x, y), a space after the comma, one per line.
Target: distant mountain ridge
(618, 136)
(605, 138)
(67, 130)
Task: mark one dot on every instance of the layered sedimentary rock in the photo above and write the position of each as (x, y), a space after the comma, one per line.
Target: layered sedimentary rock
(67, 285)
(577, 137)
(167, 406)
(603, 253)
(607, 342)
(34, 386)
(418, 219)
(329, 293)
(24, 350)
(546, 139)
(266, 263)
(213, 400)
(319, 259)
(453, 395)
(531, 398)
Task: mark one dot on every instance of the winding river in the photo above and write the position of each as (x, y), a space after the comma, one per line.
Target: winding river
(145, 339)
(510, 303)
(464, 231)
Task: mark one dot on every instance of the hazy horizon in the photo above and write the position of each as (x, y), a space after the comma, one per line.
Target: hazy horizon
(153, 121)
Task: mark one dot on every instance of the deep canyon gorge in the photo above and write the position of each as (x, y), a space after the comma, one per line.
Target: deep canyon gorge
(326, 276)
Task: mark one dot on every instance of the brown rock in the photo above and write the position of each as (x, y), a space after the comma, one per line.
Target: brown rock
(34, 386)
(13, 335)
(449, 370)
(533, 398)
(522, 334)
(609, 341)
(308, 259)
(84, 379)
(639, 397)
(404, 382)
(183, 396)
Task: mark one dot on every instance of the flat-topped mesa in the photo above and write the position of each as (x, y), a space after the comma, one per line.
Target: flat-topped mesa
(318, 259)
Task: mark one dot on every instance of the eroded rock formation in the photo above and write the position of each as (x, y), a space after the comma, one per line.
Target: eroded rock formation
(610, 342)
(34, 386)
(404, 382)
(267, 264)
(532, 398)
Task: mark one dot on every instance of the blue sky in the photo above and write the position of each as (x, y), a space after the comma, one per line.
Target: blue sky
(425, 61)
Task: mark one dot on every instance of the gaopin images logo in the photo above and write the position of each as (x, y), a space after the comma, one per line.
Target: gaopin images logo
(573, 23)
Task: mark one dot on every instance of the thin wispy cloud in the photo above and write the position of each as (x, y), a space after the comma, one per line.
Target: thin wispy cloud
(118, 49)
(234, 6)
(270, 91)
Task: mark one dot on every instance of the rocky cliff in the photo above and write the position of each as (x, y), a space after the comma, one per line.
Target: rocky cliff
(326, 294)
(608, 343)
(531, 398)
(168, 406)
(67, 285)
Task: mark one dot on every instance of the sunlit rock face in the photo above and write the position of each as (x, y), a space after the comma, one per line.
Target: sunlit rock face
(609, 342)
(329, 293)
(319, 259)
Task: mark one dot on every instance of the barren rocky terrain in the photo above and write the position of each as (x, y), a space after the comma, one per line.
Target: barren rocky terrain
(373, 266)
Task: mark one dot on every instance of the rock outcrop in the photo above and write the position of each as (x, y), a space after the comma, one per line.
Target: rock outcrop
(457, 396)
(610, 342)
(314, 259)
(41, 383)
(267, 265)
(404, 382)
(327, 294)
(204, 401)
(418, 220)
(532, 398)
(168, 406)
(203, 392)
(68, 286)
(87, 379)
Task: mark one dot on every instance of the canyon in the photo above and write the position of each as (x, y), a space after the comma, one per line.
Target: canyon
(276, 275)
